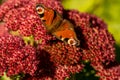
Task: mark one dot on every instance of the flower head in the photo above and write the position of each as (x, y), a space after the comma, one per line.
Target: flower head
(110, 73)
(21, 16)
(50, 58)
(15, 57)
(26, 21)
(96, 41)
(63, 54)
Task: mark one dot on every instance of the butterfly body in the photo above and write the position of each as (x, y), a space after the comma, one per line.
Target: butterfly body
(56, 25)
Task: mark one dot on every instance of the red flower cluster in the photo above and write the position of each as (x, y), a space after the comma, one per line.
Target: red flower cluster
(96, 41)
(25, 19)
(112, 73)
(66, 60)
(15, 57)
(63, 54)
(51, 59)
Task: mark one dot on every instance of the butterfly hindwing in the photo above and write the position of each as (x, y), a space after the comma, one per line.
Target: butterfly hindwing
(65, 31)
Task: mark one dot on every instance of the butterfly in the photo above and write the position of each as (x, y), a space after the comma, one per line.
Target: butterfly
(56, 25)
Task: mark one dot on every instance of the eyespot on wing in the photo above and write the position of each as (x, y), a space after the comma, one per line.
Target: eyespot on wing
(40, 9)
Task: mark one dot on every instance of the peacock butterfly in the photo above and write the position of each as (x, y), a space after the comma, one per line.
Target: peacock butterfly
(61, 28)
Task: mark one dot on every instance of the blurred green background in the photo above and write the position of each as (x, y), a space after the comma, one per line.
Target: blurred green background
(108, 10)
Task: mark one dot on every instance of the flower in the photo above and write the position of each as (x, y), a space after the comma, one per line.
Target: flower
(49, 58)
(110, 73)
(63, 54)
(48, 67)
(16, 57)
(61, 73)
(65, 59)
(25, 13)
(96, 42)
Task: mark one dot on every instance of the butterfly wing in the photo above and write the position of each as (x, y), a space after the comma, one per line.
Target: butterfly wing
(55, 22)
(50, 18)
(66, 33)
